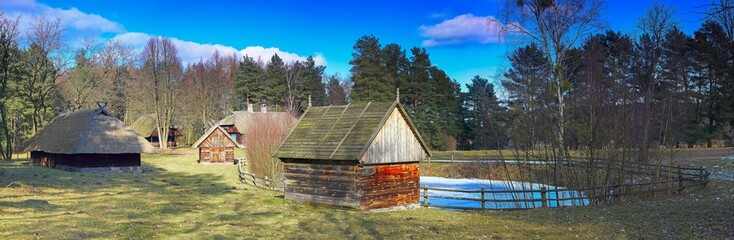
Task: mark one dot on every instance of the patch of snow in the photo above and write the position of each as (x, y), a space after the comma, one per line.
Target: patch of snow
(495, 200)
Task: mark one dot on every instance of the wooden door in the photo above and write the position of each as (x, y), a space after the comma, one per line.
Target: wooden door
(216, 154)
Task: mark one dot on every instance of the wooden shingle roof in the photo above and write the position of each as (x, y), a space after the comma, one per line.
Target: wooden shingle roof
(242, 120)
(339, 132)
(93, 131)
(210, 132)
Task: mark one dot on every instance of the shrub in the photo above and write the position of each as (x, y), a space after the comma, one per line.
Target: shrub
(264, 135)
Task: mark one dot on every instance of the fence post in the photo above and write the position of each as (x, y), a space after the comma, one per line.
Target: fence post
(254, 181)
(425, 195)
(706, 177)
(543, 198)
(680, 179)
(267, 181)
(701, 179)
(483, 199)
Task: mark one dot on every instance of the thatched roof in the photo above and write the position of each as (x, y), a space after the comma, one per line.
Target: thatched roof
(209, 133)
(145, 126)
(88, 131)
(339, 132)
(242, 119)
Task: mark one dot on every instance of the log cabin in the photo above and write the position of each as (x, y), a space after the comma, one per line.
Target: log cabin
(216, 146)
(362, 156)
(238, 123)
(145, 126)
(88, 141)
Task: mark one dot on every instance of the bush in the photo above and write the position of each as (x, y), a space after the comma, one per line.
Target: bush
(264, 135)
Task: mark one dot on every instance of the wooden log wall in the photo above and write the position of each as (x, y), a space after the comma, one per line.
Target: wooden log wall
(206, 155)
(322, 182)
(388, 185)
(86, 160)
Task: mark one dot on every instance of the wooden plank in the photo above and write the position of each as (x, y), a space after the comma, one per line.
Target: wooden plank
(321, 200)
(314, 184)
(320, 177)
(323, 191)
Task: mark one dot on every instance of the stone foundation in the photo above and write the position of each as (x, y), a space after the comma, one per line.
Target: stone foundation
(397, 208)
(127, 169)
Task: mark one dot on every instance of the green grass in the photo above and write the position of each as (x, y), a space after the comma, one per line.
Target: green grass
(176, 198)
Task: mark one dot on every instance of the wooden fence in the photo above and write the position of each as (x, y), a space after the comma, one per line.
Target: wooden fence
(665, 179)
(258, 181)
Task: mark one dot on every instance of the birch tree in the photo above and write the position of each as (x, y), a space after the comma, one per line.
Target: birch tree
(556, 26)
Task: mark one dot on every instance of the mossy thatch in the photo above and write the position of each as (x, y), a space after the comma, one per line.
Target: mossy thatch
(93, 131)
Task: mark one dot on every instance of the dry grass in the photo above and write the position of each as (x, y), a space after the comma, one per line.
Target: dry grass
(176, 198)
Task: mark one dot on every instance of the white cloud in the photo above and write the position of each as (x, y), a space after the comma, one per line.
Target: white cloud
(80, 25)
(72, 19)
(462, 29)
(191, 52)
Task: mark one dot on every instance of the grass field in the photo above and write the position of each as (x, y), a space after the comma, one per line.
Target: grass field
(176, 198)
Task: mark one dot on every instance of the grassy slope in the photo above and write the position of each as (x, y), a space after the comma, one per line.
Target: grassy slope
(178, 198)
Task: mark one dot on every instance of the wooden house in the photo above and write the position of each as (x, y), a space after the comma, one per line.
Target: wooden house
(363, 156)
(237, 123)
(88, 141)
(145, 126)
(216, 146)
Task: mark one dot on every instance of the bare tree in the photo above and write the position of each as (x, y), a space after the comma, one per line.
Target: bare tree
(46, 60)
(162, 71)
(647, 70)
(722, 11)
(81, 86)
(556, 26)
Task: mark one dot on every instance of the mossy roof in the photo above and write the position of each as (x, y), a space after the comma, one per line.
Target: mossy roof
(92, 131)
(339, 132)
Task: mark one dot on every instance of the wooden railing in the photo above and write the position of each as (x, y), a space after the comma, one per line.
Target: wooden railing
(669, 179)
(258, 181)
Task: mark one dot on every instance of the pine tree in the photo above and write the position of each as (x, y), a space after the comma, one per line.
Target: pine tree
(369, 73)
(275, 81)
(249, 81)
(312, 84)
(397, 65)
(485, 116)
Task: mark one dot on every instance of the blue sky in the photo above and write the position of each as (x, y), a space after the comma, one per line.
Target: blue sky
(326, 30)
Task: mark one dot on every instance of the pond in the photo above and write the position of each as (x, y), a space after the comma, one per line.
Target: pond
(498, 194)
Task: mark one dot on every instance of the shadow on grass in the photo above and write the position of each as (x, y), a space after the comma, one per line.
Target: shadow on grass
(105, 204)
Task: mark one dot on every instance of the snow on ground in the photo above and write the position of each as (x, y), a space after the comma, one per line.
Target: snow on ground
(533, 199)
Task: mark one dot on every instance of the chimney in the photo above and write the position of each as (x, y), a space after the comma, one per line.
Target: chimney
(249, 107)
(263, 109)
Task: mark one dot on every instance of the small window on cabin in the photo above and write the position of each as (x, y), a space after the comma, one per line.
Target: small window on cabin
(234, 136)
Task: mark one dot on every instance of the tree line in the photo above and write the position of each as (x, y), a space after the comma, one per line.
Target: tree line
(41, 76)
(584, 88)
(591, 90)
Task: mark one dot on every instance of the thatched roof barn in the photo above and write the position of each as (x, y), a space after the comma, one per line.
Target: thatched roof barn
(359, 155)
(237, 123)
(88, 141)
(145, 126)
(216, 146)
